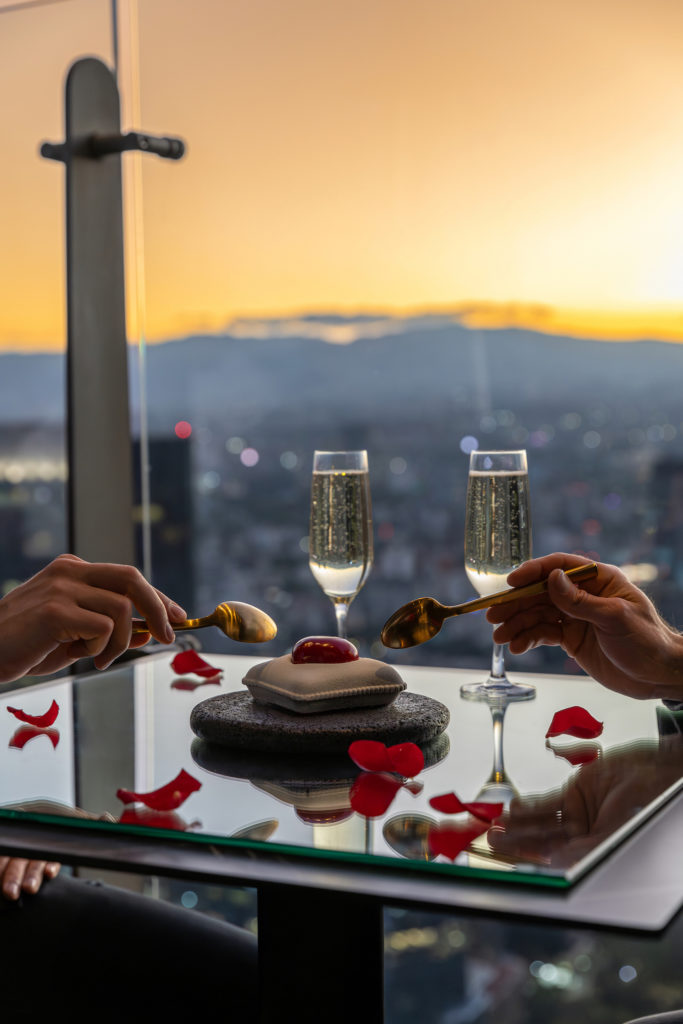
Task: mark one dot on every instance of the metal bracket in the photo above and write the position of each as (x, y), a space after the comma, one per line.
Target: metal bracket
(100, 487)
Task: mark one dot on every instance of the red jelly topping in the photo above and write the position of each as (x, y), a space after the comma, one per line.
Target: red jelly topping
(323, 650)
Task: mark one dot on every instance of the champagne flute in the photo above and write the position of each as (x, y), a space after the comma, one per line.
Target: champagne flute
(340, 544)
(497, 540)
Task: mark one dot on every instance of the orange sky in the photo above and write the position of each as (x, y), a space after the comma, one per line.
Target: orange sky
(371, 154)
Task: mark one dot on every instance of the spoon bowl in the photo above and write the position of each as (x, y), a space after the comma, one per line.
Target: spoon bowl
(421, 619)
(239, 621)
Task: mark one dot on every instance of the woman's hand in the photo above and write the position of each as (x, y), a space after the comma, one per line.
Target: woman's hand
(18, 875)
(610, 628)
(73, 609)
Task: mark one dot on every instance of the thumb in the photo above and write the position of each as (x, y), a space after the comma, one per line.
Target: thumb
(579, 604)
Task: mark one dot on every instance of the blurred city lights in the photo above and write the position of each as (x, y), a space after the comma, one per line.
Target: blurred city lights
(249, 457)
(235, 445)
(289, 460)
(183, 429)
(468, 444)
(627, 973)
(398, 465)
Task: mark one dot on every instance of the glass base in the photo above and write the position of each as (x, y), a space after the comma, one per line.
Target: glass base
(494, 690)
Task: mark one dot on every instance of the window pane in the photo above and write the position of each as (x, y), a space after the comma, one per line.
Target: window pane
(38, 42)
(412, 229)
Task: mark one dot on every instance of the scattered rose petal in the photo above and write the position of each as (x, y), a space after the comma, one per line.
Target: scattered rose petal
(28, 732)
(190, 662)
(372, 793)
(155, 819)
(191, 684)
(450, 803)
(574, 721)
(166, 798)
(407, 759)
(42, 721)
(372, 756)
(450, 840)
(577, 753)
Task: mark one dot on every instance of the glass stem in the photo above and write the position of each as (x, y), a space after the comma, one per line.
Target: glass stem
(498, 663)
(498, 714)
(341, 610)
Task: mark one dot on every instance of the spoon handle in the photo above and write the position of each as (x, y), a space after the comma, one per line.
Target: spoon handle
(581, 572)
(140, 626)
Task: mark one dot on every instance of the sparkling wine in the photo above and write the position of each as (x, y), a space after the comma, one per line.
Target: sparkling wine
(340, 543)
(497, 528)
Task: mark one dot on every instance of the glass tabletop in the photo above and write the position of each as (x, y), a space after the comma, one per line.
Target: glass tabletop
(496, 798)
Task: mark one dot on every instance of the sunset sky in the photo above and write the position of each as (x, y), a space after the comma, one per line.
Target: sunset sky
(386, 155)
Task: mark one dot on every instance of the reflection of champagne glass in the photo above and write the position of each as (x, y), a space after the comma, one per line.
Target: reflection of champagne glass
(497, 540)
(498, 788)
(340, 544)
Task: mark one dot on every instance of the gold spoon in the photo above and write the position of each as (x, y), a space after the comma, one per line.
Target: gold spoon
(239, 621)
(421, 619)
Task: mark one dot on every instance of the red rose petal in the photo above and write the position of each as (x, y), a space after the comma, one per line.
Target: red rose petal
(192, 684)
(42, 721)
(578, 753)
(166, 798)
(450, 803)
(373, 792)
(28, 732)
(574, 721)
(450, 840)
(155, 819)
(407, 759)
(447, 803)
(190, 662)
(370, 755)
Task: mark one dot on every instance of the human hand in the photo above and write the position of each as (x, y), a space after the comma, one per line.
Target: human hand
(73, 609)
(19, 875)
(610, 628)
(560, 827)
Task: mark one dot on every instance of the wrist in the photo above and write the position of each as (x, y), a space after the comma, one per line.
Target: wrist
(670, 687)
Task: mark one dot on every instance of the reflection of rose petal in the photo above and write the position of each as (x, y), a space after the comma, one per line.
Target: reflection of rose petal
(27, 732)
(155, 819)
(192, 684)
(577, 753)
(405, 758)
(450, 840)
(190, 662)
(373, 792)
(574, 721)
(42, 721)
(166, 798)
(449, 803)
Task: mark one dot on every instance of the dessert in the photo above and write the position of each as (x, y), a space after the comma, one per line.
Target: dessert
(323, 674)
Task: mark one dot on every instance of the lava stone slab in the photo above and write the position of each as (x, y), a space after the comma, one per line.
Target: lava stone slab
(237, 720)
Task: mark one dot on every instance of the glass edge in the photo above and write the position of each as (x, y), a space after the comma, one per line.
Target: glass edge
(425, 868)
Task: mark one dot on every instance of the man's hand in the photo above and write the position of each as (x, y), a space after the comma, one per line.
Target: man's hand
(73, 609)
(609, 627)
(18, 875)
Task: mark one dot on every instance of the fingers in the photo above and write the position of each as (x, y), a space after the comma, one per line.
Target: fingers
(571, 600)
(539, 568)
(22, 875)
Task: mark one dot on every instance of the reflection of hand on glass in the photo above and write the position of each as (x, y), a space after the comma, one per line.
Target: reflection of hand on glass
(560, 827)
(340, 544)
(608, 626)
